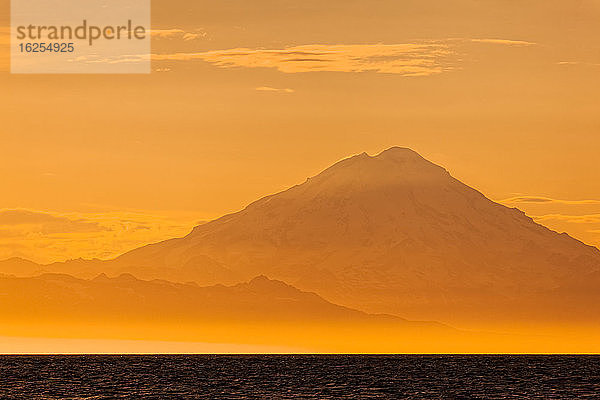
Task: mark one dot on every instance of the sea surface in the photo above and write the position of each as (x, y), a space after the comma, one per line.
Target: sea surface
(299, 377)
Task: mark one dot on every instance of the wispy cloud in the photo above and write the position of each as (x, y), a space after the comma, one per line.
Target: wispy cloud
(575, 219)
(45, 236)
(504, 42)
(274, 90)
(424, 58)
(547, 200)
(176, 33)
(45, 223)
(166, 33)
(192, 36)
(404, 59)
(581, 63)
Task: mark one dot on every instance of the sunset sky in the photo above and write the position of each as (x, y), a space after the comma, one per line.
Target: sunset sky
(247, 98)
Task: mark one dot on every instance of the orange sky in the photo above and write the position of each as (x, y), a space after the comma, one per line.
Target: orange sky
(503, 94)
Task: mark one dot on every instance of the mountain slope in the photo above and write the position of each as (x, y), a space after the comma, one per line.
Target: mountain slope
(391, 233)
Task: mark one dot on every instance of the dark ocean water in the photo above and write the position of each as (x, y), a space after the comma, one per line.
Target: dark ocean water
(299, 377)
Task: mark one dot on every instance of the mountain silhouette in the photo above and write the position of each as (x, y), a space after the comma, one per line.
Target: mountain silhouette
(261, 299)
(391, 233)
(260, 311)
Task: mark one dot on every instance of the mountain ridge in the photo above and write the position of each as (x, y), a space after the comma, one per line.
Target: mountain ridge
(58, 296)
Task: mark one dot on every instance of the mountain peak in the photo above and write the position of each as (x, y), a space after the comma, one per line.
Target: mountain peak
(392, 167)
(102, 277)
(407, 159)
(126, 277)
(399, 152)
(259, 279)
(264, 284)
(394, 152)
